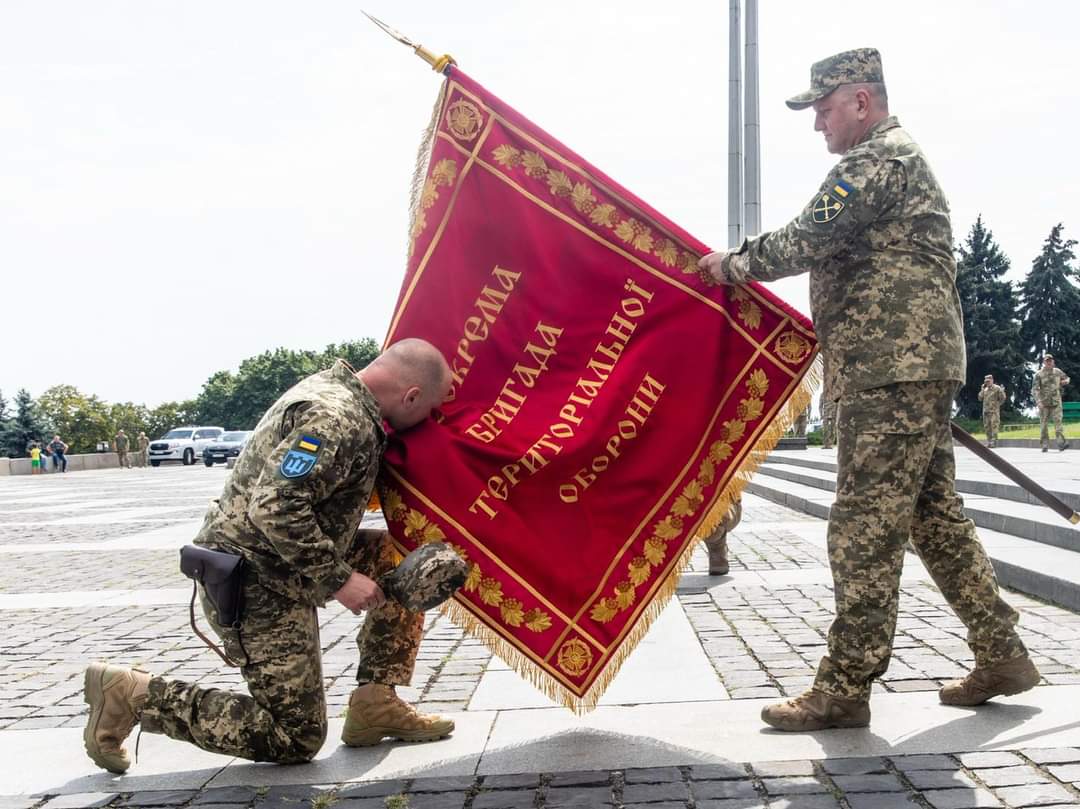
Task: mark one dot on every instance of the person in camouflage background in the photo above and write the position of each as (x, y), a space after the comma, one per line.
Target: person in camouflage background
(877, 241)
(292, 508)
(1047, 392)
(801, 421)
(828, 421)
(120, 443)
(991, 396)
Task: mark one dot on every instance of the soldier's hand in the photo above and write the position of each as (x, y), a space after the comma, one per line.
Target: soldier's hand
(360, 593)
(713, 266)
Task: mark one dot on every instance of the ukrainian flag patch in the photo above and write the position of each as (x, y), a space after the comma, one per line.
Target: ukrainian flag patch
(300, 460)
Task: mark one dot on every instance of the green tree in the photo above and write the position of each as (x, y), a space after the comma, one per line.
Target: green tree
(1050, 308)
(168, 415)
(5, 424)
(131, 418)
(81, 421)
(28, 425)
(991, 325)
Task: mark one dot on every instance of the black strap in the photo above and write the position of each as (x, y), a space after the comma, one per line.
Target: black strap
(207, 641)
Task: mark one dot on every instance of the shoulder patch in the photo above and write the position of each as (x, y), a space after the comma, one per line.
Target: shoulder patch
(832, 202)
(300, 460)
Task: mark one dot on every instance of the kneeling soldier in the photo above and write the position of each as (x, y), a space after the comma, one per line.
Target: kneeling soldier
(292, 509)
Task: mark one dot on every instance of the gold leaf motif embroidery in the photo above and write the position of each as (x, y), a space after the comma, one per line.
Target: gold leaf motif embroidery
(639, 570)
(491, 591)
(624, 594)
(707, 472)
(559, 183)
(537, 620)
(574, 657)
(473, 579)
(750, 409)
(534, 164)
(464, 120)
(688, 264)
(442, 174)
(415, 523)
(603, 215)
(445, 172)
(689, 501)
(604, 610)
(506, 155)
(720, 451)
(583, 198)
(432, 533)
(655, 550)
(758, 384)
(668, 253)
(734, 429)
(625, 230)
(392, 504)
(511, 612)
(666, 529)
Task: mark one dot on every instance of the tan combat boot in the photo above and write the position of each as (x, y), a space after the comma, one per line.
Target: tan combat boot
(116, 697)
(816, 710)
(1004, 679)
(718, 559)
(375, 712)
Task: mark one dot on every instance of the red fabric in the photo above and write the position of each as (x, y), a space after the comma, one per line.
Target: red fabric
(621, 394)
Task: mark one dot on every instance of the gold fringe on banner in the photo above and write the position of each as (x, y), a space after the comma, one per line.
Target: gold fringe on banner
(556, 691)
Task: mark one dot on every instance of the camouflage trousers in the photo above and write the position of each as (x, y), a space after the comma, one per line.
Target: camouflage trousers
(895, 482)
(828, 425)
(1046, 415)
(991, 420)
(284, 718)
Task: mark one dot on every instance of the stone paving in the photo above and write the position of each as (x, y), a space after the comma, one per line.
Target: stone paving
(1037, 777)
(59, 535)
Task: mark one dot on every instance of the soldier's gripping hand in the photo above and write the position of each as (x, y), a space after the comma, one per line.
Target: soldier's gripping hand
(724, 267)
(360, 593)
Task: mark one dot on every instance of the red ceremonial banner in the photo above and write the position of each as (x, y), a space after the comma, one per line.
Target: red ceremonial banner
(607, 405)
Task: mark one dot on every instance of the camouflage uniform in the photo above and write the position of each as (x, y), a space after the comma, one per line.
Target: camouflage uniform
(828, 421)
(144, 449)
(991, 397)
(292, 507)
(121, 443)
(877, 242)
(800, 423)
(1047, 392)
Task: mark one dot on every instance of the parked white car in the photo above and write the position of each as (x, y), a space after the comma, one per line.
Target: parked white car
(184, 444)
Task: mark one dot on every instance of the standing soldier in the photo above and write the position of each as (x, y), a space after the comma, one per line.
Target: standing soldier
(144, 449)
(291, 509)
(1047, 392)
(120, 444)
(991, 396)
(800, 422)
(877, 242)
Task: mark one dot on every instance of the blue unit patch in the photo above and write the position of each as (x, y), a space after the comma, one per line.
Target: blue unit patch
(297, 464)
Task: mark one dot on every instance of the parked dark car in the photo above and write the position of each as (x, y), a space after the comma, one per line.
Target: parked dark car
(228, 446)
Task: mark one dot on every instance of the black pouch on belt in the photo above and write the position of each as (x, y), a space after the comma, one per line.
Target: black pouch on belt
(222, 576)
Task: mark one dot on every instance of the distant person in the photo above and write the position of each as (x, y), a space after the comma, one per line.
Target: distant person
(120, 444)
(801, 422)
(35, 459)
(991, 396)
(1047, 392)
(59, 453)
(144, 450)
(45, 453)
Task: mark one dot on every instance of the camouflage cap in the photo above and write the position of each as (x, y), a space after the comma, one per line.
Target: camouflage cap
(862, 65)
(426, 577)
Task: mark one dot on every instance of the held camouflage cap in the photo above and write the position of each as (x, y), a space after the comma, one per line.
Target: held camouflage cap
(860, 66)
(426, 577)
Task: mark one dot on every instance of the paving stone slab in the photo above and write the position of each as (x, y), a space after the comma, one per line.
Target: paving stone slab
(779, 769)
(454, 783)
(664, 805)
(18, 802)
(1065, 772)
(1011, 776)
(225, 795)
(805, 802)
(651, 775)
(923, 762)
(881, 800)
(886, 782)
(960, 798)
(717, 772)
(504, 799)
(580, 779)
(81, 800)
(717, 790)
(1036, 795)
(649, 793)
(1052, 755)
(978, 761)
(736, 803)
(517, 781)
(435, 800)
(939, 779)
(371, 789)
(794, 785)
(578, 797)
(168, 797)
(854, 766)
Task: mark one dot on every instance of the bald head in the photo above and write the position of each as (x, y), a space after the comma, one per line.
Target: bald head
(846, 114)
(408, 380)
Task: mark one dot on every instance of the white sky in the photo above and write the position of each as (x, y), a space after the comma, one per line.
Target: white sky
(185, 184)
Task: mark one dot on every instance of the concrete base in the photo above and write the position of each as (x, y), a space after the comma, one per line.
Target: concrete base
(76, 463)
(787, 443)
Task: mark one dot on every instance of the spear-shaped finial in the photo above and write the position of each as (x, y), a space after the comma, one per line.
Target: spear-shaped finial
(438, 63)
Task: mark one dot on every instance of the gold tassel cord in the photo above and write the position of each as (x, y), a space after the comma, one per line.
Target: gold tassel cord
(587, 702)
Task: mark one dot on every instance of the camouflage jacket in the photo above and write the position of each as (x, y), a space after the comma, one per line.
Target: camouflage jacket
(991, 398)
(294, 500)
(877, 242)
(121, 442)
(1047, 386)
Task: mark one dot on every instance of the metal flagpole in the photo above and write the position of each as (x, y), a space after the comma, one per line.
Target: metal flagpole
(735, 161)
(752, 143)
